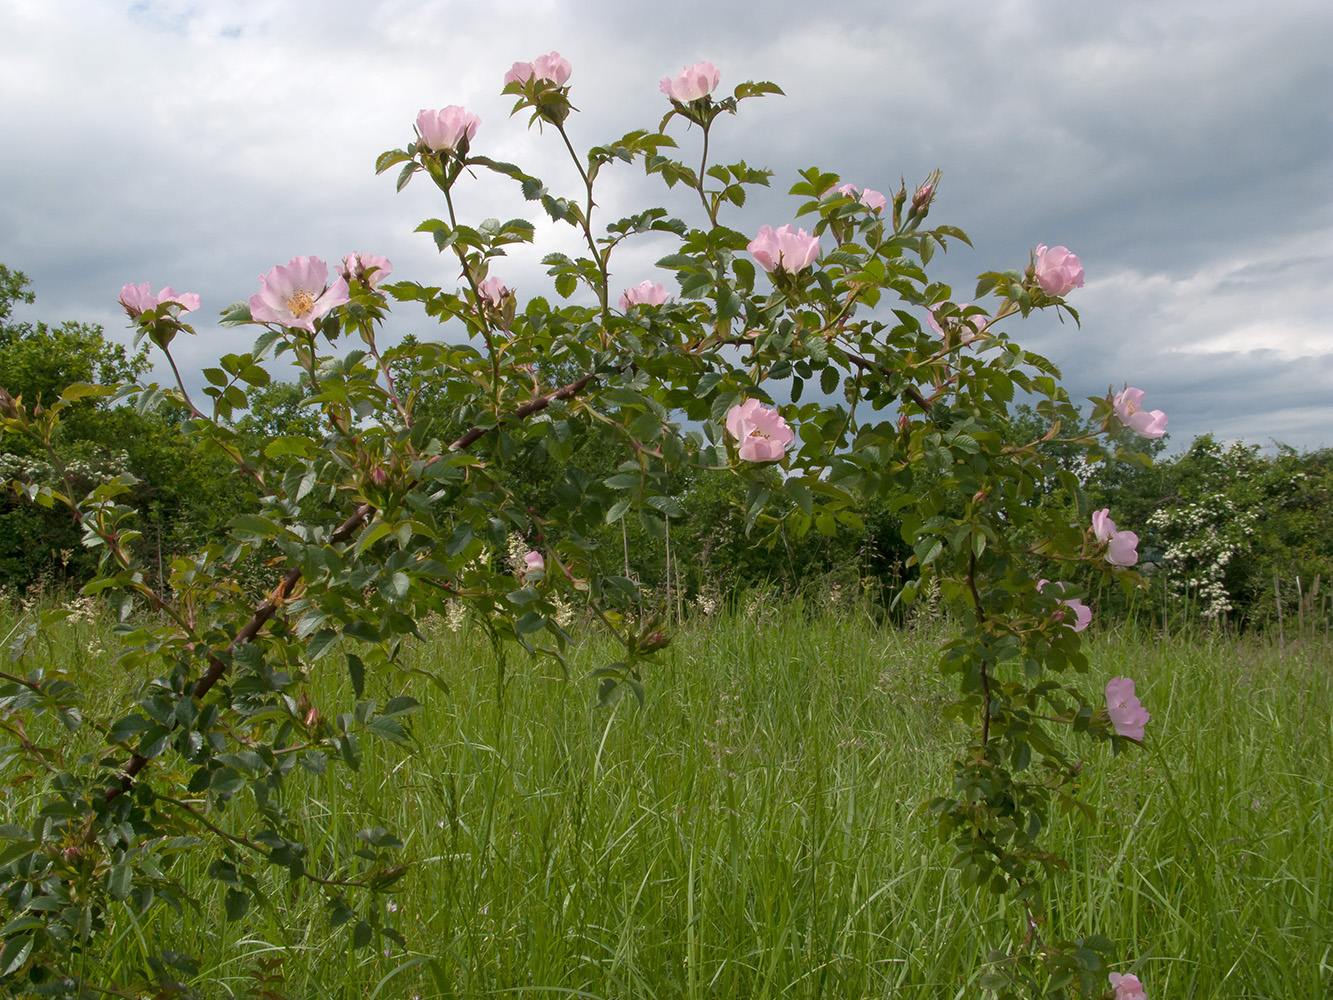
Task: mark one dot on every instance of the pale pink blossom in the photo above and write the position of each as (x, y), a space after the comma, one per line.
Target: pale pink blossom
(1102, 525)
(872, 200)
(1121, 546)
(443, 130)
(138, 299)
(645, 293)
(533, 563)
(294, 294)
(553, 68)
(365, 267)
(520, 72)
(1129, 408)
(1123, 549)
(761, 432)
(786, 249)
(1127, 987)
(493, 290)
(1082, 613)
(1058, 271)
(1126, 713)
(694, 82)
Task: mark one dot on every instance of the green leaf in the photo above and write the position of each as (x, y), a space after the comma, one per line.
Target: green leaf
(390, 729)
(119, 881)
(357, 671)
(15, 953)
(237, 903)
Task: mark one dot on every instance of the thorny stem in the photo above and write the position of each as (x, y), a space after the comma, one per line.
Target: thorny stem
(218, 667)
(710, 210)
(368, 335)
(245, 842)
(981, 669)
(603, 292)
(486, 332)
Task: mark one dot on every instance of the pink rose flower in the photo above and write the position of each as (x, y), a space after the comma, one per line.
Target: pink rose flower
(761, 432)
(786, 249)
(1102, 525)
(493, 290)
(553, 68)
(1127, 715)
(533, 563)
(294, 294)
(694, 82)
(442, 131)
(1129, 408)
(645, 293)
(1127, 987)
(872, 200)
(520, 72)
(1082, 613)
(1058, 271)
(1121, 546)
(365, 267)
(138, 299)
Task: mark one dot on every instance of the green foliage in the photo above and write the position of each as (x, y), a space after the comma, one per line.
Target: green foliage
(184, 490)
(493, 476)
(762, 804)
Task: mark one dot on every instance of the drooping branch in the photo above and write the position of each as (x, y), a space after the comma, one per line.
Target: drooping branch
(217, 667)
(527, 409)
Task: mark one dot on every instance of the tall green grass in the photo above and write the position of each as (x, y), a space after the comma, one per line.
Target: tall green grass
(752, 831)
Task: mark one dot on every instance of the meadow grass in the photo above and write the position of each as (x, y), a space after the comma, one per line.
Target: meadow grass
(753, 830)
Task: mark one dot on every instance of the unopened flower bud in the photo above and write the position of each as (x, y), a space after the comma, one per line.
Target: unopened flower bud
(378, 476)
(921, 200)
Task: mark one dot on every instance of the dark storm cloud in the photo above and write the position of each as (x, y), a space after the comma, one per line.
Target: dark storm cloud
(1183, 150)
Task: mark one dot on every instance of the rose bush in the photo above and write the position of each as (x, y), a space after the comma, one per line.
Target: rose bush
(395, 510)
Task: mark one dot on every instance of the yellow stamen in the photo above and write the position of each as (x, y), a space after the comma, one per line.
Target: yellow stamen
(300, 302)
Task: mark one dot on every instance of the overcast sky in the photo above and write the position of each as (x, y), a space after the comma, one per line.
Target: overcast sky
(1184, 150)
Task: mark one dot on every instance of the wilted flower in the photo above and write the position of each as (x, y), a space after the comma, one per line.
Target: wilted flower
(365, 267)
(138, 299)
(970, 327)
(1127, 987)
(294, 294)
(533, 563)
(645, 293)
(1129, 408)
(872, 200)
(553, 68)
(443, 130)
(1127, 715)
(786, 249)
(761, 432)
(1058, 271)
(694, 82)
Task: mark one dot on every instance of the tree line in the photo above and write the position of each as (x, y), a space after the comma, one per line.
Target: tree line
(1229, 534)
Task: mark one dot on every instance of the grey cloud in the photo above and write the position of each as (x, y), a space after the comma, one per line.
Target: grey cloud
(1183, 150)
